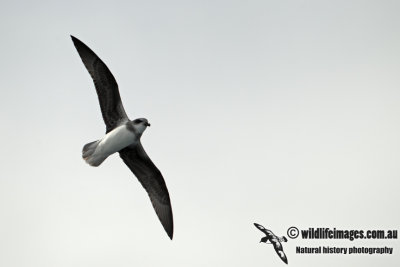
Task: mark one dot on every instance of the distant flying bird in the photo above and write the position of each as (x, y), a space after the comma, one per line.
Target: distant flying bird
(123, 136)
(274, 240)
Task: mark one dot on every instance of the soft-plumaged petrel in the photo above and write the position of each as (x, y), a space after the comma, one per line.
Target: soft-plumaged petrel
(123, 136)
(274, 240)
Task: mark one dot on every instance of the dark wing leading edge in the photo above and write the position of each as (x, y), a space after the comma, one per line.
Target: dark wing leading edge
(106, 87)
(152, 180)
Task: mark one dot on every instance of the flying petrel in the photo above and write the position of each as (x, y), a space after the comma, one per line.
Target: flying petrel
(274, 240)
(123, 136)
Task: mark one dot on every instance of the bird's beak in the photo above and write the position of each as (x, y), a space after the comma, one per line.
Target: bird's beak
(147, 124)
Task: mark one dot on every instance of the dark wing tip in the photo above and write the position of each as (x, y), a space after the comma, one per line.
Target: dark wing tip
(164, 214)
(75, 40)
(259, 227)
(82, 48)
(279, 250)
(170, 233)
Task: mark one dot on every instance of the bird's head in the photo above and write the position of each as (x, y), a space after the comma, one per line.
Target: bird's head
(140, 124)
(264, 239)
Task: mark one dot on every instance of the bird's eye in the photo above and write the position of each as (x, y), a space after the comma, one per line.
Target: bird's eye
(137, 121)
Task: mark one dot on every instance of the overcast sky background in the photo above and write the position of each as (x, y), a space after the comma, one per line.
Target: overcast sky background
(284, 113)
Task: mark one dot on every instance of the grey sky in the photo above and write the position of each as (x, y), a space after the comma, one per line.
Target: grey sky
(277, 112)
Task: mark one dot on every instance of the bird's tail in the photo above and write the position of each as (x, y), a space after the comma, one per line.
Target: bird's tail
(90, 156)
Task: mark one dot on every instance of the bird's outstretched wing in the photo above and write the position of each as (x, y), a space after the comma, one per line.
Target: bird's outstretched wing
(263, 229)
(260, 227)
(106, 87)
(152, 180)
(279, 250)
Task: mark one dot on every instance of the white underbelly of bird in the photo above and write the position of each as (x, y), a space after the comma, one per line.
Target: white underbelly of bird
(96, 152)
